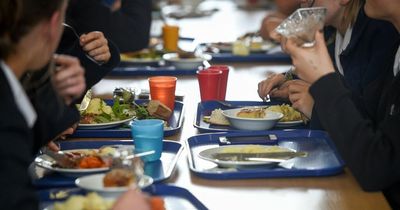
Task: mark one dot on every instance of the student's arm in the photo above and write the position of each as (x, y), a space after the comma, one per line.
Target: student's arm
(128, 28)
(372, 153)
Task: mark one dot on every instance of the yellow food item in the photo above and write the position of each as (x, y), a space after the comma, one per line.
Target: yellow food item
(256, 45)
(240, 48)
(96, 106)
(92, 201)
(252, 149)
(107, 151)
(289, 114)
(251, 113)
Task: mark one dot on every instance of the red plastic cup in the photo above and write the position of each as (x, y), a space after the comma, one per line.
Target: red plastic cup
(224, 79)
(209, 84)
(162, 88)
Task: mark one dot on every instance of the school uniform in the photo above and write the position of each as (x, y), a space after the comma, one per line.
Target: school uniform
(370, 148)
(55, 116)
(17, 142)
(359, 60)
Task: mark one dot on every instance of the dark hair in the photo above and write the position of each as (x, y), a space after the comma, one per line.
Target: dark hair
(18, 17)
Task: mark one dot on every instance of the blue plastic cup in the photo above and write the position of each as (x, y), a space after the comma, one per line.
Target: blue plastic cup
(148, 135)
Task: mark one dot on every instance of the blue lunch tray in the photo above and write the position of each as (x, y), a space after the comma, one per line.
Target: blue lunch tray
(252, 57)
(174, 197)
(175, 123)
(322, 158)
(151, 71)
(205, 109)
(158, 170)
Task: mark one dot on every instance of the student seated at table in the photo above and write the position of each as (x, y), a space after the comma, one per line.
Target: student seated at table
(370, 147)
(29, 36)
(104, 56)
(127, 26)
(359, 47)
(283, 9)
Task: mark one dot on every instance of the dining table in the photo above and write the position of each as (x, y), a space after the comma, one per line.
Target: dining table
(339, 191)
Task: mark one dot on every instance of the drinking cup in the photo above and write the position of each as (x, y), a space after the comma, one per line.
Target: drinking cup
(224, 79)
(148, 135)
(170, 34)
(162, 88)
(209, 84)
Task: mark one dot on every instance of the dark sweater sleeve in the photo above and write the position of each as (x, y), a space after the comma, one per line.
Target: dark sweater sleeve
(16, 189)
(372, 153)
(128, 28)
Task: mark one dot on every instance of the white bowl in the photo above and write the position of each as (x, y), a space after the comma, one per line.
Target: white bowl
(186, 63)
(255, 124)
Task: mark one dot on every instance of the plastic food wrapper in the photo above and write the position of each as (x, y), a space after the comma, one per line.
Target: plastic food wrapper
(303, 24)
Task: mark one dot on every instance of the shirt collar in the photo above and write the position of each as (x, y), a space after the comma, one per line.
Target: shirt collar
(341, 44)
(21, 99)
(396, 66)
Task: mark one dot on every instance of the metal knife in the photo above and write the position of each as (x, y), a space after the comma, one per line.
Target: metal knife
(254, 156)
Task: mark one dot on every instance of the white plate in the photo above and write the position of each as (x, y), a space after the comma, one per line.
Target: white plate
(289, 124)
(208, 154)
(186, 63)
(104, 125)
(95, 183)
(47, 162)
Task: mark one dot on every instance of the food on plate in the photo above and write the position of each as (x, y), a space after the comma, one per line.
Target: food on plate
(252, 149)
(88, 158)
(258, 112)
(218, 118)
(103, 151)
(159, 110)
(119, 178)
(185, 54)
(143, 55)
(240, 48)
(92, 201)
(157, 203)
(124, 95)
(91, 161)
(99, 112)
(289, 113)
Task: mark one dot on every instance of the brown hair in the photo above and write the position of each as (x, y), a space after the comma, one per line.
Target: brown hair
(18, 17)
(351, 12)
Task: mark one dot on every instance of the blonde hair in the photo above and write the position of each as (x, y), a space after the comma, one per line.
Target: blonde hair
(351, 12)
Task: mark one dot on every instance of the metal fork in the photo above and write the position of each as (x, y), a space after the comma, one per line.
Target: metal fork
(78, 37)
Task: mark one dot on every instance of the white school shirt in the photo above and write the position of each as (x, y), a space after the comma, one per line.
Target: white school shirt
(341, 45)
(21, 99)
(396, 66)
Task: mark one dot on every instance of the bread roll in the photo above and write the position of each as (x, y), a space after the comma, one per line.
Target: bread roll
(158, 110)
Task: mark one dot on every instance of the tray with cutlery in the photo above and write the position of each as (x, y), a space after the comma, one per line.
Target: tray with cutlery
(204, 117)
(263, 154)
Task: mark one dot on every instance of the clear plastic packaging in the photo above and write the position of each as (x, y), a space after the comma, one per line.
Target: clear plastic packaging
(303, 24)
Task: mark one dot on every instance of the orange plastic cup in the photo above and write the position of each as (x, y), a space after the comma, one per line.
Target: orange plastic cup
(170, 37)
(162, 88)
